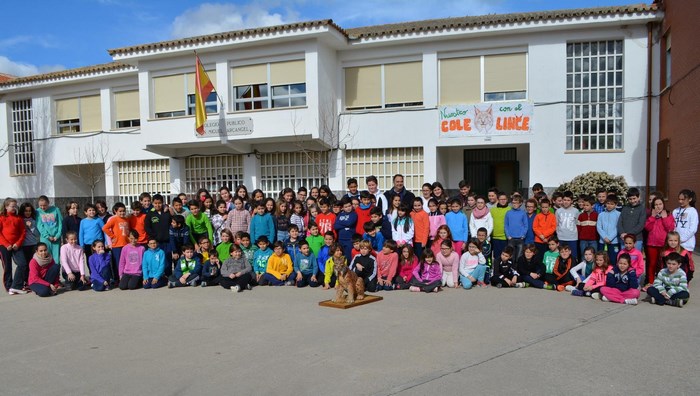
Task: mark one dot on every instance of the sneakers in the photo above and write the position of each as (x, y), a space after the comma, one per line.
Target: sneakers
(236, 289)
(653, 300)
(12, 291)
(204, 284)
(577, 292)
(498, 285)
(289, 283)
(605, 299)
(549, 287)
(631, 301)
(414, 288)
(249, 286)
(569, 288)
(561, 288)
(678, 303)
(520, 285)
(482, 284)
(171, 284)
(595, 296)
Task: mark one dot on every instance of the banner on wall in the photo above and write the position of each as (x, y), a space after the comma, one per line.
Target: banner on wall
(485, 119)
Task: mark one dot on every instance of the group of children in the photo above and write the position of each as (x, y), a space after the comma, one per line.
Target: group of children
(393, 241)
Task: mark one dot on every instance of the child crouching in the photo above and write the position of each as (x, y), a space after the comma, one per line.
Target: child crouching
(154, 266)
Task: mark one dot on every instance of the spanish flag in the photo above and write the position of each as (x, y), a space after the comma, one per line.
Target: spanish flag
(203, 88)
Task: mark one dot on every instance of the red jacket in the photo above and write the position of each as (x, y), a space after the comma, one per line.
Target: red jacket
(11, 230)
(586, 226)
(362, 218)
(37, 273)
(658, 228)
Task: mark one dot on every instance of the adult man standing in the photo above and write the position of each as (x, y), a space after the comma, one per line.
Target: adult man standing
(399, 189)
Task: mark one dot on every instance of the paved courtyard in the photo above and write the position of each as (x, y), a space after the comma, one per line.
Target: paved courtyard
(277, 340)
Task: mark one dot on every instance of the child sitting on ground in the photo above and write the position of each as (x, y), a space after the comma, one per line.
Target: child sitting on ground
(279, 267)
(472, 266)
(583, 270)
(387, 262)
(597, 278)
(211, 270)
(73, 263)
(130, 261)
(100, 267)
(427, 276)
(549, 259)
(153, 266)
(407, 263)
(671, 285)
(260, 259)
(336, 257)
(305, 267)
(504, 272)
(561, 275)
(621, 285)
(236, 271)
(365, 266)
(188, 269)
(530, 270)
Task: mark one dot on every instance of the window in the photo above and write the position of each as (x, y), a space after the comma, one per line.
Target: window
(280, 170)
(384, 163)
(23, 137)
(269, 85)
(384, 86)
(212, 172)
(594, 95)
(505, 77)
(136, 177)
(174, 95)
(460, 80)
(126, 109)
(667, 61)
(82, 114)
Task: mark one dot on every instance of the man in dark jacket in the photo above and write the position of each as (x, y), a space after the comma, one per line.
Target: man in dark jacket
(399, 189)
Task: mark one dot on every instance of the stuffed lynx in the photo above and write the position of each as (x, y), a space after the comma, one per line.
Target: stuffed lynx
(347, 281)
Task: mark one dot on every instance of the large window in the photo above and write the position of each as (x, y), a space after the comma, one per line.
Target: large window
(594, 95)
(384, 86)
(269, 85)
(384, 163)
(212, 172)
(504, 77)
(136, 177)
(297, 169)
(82, 114)
(174, 95)
(126, 109)
(23, 137)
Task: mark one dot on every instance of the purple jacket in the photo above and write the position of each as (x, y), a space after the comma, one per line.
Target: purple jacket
(431, 273)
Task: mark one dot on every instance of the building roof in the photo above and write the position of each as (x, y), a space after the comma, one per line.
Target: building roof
(5, 77)
(225, 36)
(491, 19)
(80, 71)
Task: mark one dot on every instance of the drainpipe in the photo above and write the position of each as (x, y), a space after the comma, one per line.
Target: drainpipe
(649, 96)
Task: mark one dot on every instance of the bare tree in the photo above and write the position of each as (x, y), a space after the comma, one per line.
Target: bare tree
(335, 134)
(93, 164)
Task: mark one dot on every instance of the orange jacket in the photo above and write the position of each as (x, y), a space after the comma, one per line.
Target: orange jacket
(117, 229)
(421, 227)
(138, 223)
(544, 224)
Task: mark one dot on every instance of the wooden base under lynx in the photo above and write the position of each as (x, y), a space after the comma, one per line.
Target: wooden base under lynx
(368, 299)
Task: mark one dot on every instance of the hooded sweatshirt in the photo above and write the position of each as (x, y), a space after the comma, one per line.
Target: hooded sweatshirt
(429, 273)
(98, 262)
(516, 223)
(153, 265)
(130, 260)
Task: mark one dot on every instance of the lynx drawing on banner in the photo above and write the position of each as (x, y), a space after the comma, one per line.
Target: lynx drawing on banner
(486, 119)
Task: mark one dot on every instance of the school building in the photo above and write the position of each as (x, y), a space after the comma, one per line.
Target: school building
(500, 100)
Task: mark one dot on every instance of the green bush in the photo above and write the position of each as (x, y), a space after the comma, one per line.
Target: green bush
(588, 183)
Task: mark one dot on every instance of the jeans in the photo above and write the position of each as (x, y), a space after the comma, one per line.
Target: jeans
(162, 281)
(582, 245)
(661, 300)
(477, 273)
(51, 277)
(497, 245)
(130, 282)
(306, 281)
(241, 281)
(573, 245)
(517, 244)
(21, 272)
(612, 248)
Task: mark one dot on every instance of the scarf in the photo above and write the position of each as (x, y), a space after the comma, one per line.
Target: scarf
(43, 261)
(480, 213)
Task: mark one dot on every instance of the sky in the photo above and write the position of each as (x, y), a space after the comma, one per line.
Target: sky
(48, 35)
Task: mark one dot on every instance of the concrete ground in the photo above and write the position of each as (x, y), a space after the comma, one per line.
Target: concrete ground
(277, 340)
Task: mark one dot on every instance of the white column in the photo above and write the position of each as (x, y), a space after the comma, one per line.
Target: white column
(177, 176)
(251, 172)
(430, 79)
(430, 163)
(144, 97)
(105, 104)
(336, 170)
(112, 182)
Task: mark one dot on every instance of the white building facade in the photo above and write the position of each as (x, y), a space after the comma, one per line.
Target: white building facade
(500, 100)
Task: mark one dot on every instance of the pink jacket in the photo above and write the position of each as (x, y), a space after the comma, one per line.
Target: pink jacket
(658, 228)
(431, 273)
(449, 264)
(131, 259)
(435, 222)
(72, 258)
(637, 263)
(597, 278)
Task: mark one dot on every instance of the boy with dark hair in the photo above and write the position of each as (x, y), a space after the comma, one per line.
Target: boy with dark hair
(188, 269)
(557, 200)
(504, 272)
(279, 267)
(323, 255)
(177, 208)
(315, 240)
(158, 225)
(464, 191)
(492, 196)
(235, 271)
(198, 223)
(363, 212)
(607, 229)
(248, 249)
(632, 218)
(567, 217)
(586, 225)
(482, 235)
(600, 195)
(381, 223)
(211, 270)
(671, 285)
(145, 201)
(137, 221)
(537, 187)
(305, 267)
(262, 224)
(326, 218)
(260, 259)
(375, 238)
(293, 242)
(345, 224)
(352, 189)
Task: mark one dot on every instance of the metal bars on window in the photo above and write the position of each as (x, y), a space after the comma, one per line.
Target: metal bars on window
(136, 177)
(297, 169)
(23, 137)
(213, 172)
(384, 163)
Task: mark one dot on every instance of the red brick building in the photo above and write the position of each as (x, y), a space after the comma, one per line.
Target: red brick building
(678, 161)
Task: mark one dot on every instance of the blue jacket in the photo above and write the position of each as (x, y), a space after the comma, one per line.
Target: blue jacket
(345, 225)
(153, 264)
(306, 264)
(91, 231)
(292, 248)
(260, 260)
(530, 234)
(194, 266)
(377, 241)
(607, 226)
(516, 223)
(262, 225)
(97, 264)
(210, 270)
(622, 282)
(323, 256)
(385, 227)
(458, 225)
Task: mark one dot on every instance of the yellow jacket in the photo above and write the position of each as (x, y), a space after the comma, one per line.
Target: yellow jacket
(278, 265)
(328, 273)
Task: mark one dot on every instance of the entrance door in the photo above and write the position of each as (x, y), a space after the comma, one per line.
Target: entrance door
(486, 168)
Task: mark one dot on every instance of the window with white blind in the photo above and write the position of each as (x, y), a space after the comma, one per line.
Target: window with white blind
(269, 85)
(384, 86)
(594, 95)
(503, 77)
(174, 95)
(126, 109)
(23, 138)
(136, 177)
(213, 172)
(384, 163)
(81, 114)
(294, 170)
